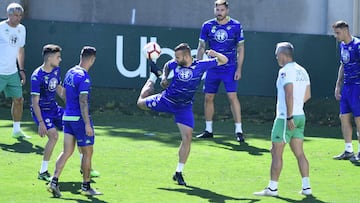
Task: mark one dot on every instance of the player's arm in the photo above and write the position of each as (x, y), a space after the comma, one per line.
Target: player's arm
(221, 58)
(20, 60)
(339, 82)
(307, 95)
(200, 49)
(84, 108)
(240, 59)
(60, 90)
(289, 100)
(164, 81)
(37, 111)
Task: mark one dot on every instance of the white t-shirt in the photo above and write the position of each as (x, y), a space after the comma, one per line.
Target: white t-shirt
(11, 39)
(297, 75)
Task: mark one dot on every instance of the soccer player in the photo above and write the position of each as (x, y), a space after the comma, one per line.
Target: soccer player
(177, 98)
(12, 55)
(78, 125)
(224, 35)
(47, 114)
(347, 88)
(293, 90)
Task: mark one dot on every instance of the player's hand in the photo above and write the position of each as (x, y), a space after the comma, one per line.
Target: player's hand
(237, 75)
(164, 83)
(211, 53)
(42, 129)
(89, 130)
(337, 93)
(291, 124)
(23, 77)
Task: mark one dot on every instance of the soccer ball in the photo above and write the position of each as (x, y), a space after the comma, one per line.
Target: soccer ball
(152, 50)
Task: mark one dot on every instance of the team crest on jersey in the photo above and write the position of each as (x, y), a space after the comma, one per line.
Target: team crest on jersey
(213, 29)
(345, 56)
(53, 82)
(221, 35)
(228, 27)
(185, 74)
(13, 40)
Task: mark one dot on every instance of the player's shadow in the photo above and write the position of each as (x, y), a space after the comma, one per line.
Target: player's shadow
(244, 147)
(74, 188)
(307, 199)
(207, 194)
(22, 146)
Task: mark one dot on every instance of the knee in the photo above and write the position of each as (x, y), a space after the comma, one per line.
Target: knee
(18, 101)
(209, 98)
(141, 104)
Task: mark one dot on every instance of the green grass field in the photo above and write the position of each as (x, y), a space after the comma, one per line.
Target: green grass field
(138, 168)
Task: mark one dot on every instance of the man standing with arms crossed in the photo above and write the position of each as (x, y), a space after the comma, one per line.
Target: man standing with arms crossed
(347, 88)
(78, 126)
(293, 90)
(12, 42)
(224, 35)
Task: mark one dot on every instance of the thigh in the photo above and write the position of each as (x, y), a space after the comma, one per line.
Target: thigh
(77, 129)
(185, 116)
(298, 132)
(229, 83)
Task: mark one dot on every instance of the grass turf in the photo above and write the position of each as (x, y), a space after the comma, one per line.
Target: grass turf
(138, 168)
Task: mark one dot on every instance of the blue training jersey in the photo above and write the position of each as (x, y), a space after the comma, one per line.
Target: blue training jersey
(77, 81)
(186, 80)
(45, 84)
(350, 58)
(223, 38)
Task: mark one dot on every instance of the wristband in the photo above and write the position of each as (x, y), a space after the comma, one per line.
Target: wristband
(289, 118)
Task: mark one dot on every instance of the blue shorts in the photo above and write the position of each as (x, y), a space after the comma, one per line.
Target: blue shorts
(77, 129)
(52, 118)
(182, 113)
(215, 76)
(350, 102)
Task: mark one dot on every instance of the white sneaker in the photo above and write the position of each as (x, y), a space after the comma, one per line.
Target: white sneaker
(306, 191)
(267, 192)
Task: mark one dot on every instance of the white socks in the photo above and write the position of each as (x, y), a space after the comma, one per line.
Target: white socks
(349, 147)
(273, 185)
(44, 166)
(209, 126)
(180, 167)
(238, 128)
(305, 182)
(16, 126)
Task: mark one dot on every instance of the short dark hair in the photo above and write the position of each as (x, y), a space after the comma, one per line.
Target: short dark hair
(184, 47)
(222, 2)
(50, 49)
(340, 24)
(88, 51)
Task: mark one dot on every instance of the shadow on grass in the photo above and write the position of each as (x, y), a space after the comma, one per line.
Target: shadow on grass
(207, 194)
(243, 147)
(307, 199)
(22, 146)
(74, 188)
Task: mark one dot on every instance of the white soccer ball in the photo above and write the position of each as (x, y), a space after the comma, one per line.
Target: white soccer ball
(152, 50)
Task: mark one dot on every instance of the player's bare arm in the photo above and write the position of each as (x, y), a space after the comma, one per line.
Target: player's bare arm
(164, 81)
(222, 59)
(21, 59)
(240, 60)
(36, 108)
(339, 82)
(307, 95)
(200, 50)
(85, 114)
(289, 99)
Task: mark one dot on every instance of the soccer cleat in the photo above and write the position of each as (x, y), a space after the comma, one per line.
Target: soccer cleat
(179, 178)
(306, 191)
(90, 192)
(54, 189)
(44, 176)
(267, 192)
(154, 69)
(20, 134)
(93, 173)
(344, 156)
(205, 134)
(355, 158)
(240, 137)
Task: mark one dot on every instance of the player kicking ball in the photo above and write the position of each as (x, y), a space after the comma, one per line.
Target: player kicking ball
(178, 96)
